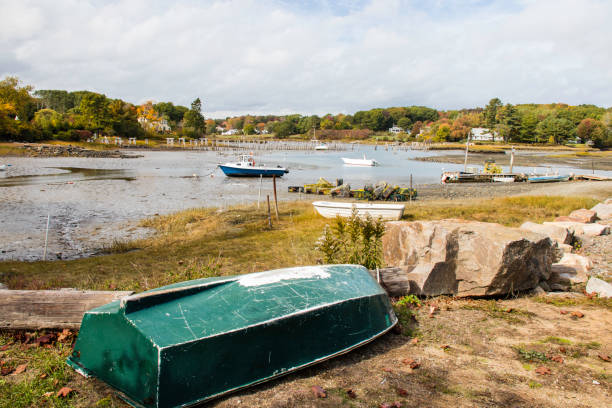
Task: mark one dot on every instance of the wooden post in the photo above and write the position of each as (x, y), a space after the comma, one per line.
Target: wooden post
(275, 200)
(46, 238)
(269, 214)
(259, 195)
(511, 159)
(410, 188)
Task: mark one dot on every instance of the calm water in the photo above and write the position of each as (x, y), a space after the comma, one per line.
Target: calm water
(91, 201)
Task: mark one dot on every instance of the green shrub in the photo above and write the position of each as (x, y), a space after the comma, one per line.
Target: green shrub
(353, 241)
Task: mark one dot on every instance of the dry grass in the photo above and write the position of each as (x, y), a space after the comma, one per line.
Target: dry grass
(240, 238)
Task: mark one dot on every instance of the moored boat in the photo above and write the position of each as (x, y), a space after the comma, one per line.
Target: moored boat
(504, 179)
(330, 209)
(190, 342)
(360, 162)
(246, 167)
(546, 178)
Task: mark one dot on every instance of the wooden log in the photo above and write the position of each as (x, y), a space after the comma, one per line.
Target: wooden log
(50, 309)
(393, 280)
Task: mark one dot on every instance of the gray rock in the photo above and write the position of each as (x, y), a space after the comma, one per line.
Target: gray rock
(560, 234)
(558, 287)
(467, 258)
(581, 229)
(602, 288)
(604, 211)
(583, 215)
(3, 286)
(544, 286)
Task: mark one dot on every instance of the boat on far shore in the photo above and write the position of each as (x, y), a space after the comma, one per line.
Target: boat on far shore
(246, 167)
(330, 209)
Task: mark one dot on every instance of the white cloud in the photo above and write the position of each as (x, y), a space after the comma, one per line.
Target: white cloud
(271, 56)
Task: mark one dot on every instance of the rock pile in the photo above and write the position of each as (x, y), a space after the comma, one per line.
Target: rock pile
(468, 258)
(464, 258)
(72, 151)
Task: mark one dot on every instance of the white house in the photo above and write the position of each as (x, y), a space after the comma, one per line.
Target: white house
(395, 129)
(482, 135)
(231, 132)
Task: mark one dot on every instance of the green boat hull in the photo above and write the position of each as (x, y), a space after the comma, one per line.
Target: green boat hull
(190, 342)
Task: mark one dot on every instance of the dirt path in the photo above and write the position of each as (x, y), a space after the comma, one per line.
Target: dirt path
(491, 360)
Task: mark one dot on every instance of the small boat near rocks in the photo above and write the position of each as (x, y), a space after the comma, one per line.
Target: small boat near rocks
(330, 209)
(246, 167)
(187, 343)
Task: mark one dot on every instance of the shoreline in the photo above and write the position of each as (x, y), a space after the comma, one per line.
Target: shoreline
(601, 161)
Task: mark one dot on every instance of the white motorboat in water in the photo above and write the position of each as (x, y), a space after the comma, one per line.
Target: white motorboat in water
(331, 209)
(360, 162)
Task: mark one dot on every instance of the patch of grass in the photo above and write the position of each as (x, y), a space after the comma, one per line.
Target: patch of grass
(530, 355)
(591, 345)
(534, 384)
(407, 319)
(492, 309)
(120, 247)
(46, 371)
(409, 300)
(509, 211)
(556, 340)
(560, 301)
(10, 149)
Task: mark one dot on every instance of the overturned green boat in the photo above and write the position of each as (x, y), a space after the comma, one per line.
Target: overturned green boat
(189, 342)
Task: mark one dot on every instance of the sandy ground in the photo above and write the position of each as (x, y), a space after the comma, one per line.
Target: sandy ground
(480, 367)
(523, 159)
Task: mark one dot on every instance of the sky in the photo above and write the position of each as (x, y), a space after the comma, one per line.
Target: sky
(314, 56)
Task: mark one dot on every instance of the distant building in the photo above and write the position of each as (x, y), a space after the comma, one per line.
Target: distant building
(482, 135)
(232, 132)
(395, 129)
(220, 129)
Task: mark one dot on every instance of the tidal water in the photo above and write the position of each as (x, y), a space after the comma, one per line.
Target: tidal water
(92, 201)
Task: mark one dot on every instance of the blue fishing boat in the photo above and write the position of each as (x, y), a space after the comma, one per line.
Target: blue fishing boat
(546, 178)
(190, 342)
(246, 167)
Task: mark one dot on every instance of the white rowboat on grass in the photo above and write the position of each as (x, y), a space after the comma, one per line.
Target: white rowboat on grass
(329, 209)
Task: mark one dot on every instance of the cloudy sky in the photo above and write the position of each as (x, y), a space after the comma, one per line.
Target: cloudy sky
(314, 56)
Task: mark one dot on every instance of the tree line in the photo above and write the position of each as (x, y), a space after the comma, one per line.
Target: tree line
(28, 115)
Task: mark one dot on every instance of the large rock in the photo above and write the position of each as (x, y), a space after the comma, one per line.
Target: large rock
(582, 229)
(560, 234)
(464, 258)
(570, 269)
(583, 215)
(602, 288)
(603, 211)
(608, 201)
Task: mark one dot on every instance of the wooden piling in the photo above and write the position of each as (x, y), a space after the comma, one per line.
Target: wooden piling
(269, 213)
(275, 199)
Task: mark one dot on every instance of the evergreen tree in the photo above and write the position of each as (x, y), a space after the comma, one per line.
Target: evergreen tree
(194, 118)
(490, 112)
